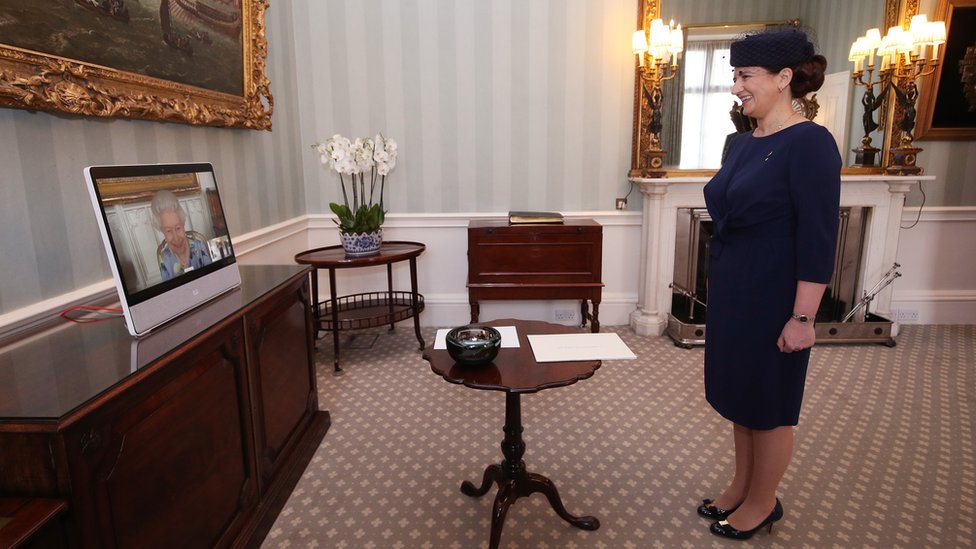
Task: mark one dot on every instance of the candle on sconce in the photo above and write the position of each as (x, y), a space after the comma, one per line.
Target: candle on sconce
(937, 34)
(639, 46)
(856, 54)
(871, 42)
(677, 42)
(916, 35)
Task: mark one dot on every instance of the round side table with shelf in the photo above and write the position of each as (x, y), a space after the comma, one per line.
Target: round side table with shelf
(367, 309)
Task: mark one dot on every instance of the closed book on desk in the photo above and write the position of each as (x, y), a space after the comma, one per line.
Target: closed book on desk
(517, 218)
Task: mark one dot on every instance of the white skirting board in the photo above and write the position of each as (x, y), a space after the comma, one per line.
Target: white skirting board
(938, 258)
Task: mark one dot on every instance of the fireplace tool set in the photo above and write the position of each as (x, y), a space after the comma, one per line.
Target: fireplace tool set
(887, 279)
(855, 328)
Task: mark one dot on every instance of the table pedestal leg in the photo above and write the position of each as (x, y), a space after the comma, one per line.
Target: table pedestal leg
(514, 481)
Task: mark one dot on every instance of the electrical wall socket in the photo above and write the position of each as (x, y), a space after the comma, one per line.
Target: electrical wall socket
(906, 315)
(565, 315)
(621, 204)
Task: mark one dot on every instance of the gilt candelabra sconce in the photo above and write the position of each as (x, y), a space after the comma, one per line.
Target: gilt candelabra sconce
(865, 47)
(906, 55)
(658, 49)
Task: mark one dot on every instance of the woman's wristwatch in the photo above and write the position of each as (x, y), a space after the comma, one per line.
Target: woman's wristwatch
(801, 318)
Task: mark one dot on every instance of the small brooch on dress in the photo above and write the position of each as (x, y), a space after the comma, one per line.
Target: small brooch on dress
(767, 156)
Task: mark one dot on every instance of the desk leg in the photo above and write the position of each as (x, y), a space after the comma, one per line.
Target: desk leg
(415, 301)
(595, 322)
(475, 312)
(514, 481)
(335, 320)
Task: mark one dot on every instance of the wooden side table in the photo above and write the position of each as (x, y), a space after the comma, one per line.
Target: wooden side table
(536, 261)
(515, 371)
(370, 309)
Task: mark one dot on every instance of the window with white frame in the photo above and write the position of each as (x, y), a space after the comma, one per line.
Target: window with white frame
(705, 120)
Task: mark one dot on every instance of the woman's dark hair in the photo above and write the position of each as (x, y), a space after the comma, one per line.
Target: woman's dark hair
(808, 76)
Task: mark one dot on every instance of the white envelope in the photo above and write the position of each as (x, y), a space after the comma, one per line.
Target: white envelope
(573, 347)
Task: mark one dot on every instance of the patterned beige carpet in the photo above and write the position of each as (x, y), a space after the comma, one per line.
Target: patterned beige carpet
(885, 453)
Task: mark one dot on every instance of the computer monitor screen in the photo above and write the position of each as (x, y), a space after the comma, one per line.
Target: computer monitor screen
(166, 238)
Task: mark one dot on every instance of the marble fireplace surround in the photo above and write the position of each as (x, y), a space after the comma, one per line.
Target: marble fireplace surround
(883, 194)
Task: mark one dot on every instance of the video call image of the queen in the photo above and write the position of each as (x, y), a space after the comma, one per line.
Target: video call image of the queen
(181, 251)
(169, 229)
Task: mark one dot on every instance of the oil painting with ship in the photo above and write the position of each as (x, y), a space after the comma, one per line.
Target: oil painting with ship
(193, 42)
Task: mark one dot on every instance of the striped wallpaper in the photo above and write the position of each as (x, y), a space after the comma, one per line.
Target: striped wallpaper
(507, 104)
(496, 105)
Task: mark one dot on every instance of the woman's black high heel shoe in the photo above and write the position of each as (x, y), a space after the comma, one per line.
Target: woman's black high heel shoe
(710, 511)
(724, 529)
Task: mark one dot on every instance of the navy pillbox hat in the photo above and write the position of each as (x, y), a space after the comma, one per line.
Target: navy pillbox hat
(771, 49)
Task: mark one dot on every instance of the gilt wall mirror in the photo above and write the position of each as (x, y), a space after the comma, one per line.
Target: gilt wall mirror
(695, 109)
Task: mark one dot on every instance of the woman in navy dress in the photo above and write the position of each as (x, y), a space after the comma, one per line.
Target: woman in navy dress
(774, 205)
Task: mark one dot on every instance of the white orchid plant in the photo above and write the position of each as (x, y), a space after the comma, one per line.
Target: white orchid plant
(375, 157)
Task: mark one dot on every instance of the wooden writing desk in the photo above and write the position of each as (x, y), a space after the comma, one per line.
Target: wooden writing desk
(536, 261)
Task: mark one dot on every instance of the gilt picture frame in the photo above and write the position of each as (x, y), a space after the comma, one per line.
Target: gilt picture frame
(947, 98)
(199, 62)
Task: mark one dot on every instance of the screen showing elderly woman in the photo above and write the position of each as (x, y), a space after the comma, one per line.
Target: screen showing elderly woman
(164, 226)
(180, 251)
(165, 237)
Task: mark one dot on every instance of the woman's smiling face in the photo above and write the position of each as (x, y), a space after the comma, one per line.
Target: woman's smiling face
(172, 227)
(757, 89)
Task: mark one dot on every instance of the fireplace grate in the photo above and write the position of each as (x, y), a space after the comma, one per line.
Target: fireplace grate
(686, 321)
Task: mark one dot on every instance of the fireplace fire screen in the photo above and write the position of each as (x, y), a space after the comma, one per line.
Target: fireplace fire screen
(686, 321)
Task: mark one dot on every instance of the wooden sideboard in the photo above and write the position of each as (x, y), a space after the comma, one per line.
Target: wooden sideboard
(536, 261)
(191, 437)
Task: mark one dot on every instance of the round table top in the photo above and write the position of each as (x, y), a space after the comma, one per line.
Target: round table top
(335, 257)
(514, 369)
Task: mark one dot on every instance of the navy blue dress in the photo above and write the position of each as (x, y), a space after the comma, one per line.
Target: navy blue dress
(774, 205)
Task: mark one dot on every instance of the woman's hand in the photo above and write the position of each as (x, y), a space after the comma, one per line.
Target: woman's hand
(796, 336)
